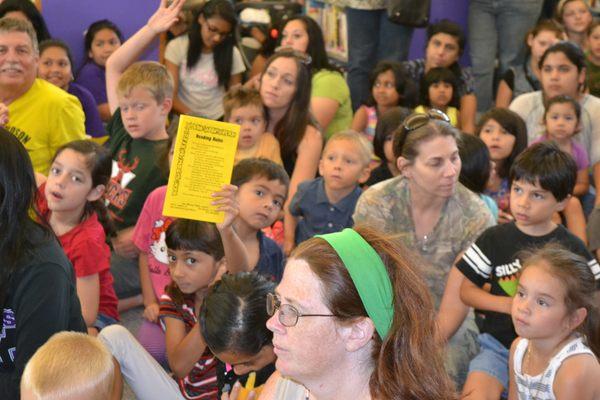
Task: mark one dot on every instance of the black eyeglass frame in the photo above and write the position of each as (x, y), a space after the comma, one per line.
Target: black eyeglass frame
(274, 304)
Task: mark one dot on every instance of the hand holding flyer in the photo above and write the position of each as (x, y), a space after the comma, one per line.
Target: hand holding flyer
(202, 164)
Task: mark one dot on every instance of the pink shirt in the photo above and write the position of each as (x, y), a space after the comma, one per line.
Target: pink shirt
(149, 237)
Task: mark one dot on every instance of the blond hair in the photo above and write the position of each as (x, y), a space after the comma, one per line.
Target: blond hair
(239, 97)
(70, 365)
(365, 147)
(151, 76)
(8, 25)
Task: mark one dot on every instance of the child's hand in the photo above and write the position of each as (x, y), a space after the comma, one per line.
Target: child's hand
(504, 217)
(151, 312)
(3, 114)
(235, 393)
(228, 204)
(165, 16)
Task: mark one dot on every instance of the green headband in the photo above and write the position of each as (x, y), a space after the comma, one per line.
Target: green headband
(368, 274)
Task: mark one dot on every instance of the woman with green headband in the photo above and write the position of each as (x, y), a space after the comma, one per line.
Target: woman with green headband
(352, 319)
(434, 215)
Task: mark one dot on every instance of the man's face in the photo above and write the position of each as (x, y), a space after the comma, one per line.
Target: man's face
(18, 60)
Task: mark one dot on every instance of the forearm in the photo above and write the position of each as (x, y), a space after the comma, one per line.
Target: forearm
(145, 281)
(186, 353)
(478, 298)
(468, 109)
(130, 51)
(289, 231)
(235, 251)
(597, 181)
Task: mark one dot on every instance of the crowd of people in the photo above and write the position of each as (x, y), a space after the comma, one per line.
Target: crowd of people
(408, 231)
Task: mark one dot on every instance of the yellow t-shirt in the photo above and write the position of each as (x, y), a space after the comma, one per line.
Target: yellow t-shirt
(451, 112)
(43, 119)
(266, 147)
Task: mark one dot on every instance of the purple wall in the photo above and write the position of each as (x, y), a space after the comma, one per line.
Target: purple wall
(68, 20)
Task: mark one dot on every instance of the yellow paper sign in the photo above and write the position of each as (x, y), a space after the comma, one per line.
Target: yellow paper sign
(202, 163)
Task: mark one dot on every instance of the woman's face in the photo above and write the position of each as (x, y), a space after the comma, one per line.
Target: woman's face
(540, 42)
(436, 168)
(278, 83)
(442, 51)
(54, 66)
(294, 35)
(576, 17)
(213, 31)
(313, 346)
(559, 76)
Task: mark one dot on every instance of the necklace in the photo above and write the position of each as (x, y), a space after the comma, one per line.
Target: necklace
(539, 384)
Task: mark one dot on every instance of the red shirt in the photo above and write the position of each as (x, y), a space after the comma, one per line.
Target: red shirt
(86, 248)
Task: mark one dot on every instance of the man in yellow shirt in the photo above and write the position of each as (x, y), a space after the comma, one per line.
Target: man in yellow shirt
(42, 116)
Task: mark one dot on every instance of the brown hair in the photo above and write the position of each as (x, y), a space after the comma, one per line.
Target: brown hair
(406, 142)
(577, 278)
(409, 362)
(546, 25)
(239, 97)
(560, 9)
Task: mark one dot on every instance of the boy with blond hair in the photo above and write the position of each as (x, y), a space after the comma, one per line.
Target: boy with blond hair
(325, 204)
(244, 107)
(70, 366)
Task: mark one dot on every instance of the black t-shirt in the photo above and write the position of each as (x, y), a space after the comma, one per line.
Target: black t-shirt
(493, 258)
(226, 378)
(41, 301)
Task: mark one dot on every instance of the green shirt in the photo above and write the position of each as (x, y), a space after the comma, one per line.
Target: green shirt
(332, 85)
(593, 78)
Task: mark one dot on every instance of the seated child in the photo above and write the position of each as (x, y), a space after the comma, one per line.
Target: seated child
(439, 90)
(243, 106)
(70, 366)
(542, 179)
(325, 204)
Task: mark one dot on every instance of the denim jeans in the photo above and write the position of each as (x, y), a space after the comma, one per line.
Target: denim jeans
(498, 28)
(371, 38)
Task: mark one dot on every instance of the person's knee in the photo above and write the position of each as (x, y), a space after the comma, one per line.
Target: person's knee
(116, 337)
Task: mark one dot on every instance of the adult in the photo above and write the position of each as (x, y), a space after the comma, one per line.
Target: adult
(563, 73)
(37, 282)
(445, 44)
(497, 29)
(26, 11)
(58, 119)
(352, 319)
(372, 37)
(285, 88)
(433, 214)
(525, 78)
(330, 101)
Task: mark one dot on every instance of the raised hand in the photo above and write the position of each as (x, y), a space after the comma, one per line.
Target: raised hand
(165, 16)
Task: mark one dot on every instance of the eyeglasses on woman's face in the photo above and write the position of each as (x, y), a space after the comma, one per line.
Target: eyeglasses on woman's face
(288, 314)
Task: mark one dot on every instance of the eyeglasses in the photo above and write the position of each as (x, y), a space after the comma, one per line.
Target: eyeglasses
(416, 121)
(288, 315)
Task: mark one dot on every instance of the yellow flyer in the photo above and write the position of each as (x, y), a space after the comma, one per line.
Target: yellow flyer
(202, 164)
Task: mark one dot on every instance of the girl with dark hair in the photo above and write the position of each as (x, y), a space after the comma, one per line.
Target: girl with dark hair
(390, 87)
(285, 88)
(439, 90)
(71, 203)
(344, 331)
(26, 10)
(102, 38)
(330, 96)
(37, 282)
(205, 62)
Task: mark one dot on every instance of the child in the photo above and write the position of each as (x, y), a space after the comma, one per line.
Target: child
(542, 178)
(576, 17)
(205, 62)
(326, 204)
(70, 365)
(382, 145)
(390, 87)
(475, 168)
(505, 135)
(70, 201)
(139, 97)
(55, 66)
(562, 119)
(555, 314)
(102, 38)
(592, 60)
(243, 106)
(262, 190)
(440, 90)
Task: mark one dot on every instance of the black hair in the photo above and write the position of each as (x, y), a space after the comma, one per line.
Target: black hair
(96, 27)
(563, 99)
(223, 52)
(476, 163)
(545, 163)
(233, 315)
(316, 44)
(50, 43)
(437, 75)
(405, 87)
(99, 164)
(449, 28)
(17, 196)
(31, 12)
(251, 168)
(386, 125)
(513, 124)
(572, 51)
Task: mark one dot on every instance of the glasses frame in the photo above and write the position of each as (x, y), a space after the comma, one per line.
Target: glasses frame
(274, 304)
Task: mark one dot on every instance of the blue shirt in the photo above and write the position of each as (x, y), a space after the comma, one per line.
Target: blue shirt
(317, 214)
(270, 258)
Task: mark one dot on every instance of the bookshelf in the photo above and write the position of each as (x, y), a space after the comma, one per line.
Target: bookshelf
(330, 15)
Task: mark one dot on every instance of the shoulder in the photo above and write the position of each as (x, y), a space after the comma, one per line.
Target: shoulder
(471, 206)
(528, 100)
(52, 93)
(312, 137)
(176, 48)
(89, 70)
(577, 376)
